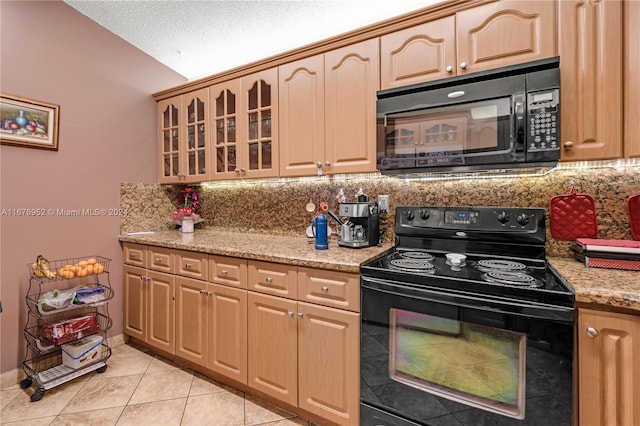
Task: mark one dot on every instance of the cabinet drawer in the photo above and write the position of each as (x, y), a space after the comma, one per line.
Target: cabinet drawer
(229, 271)
(273, 278)
(329, 288)
(160, 259)
(191, 264)
(134, 254)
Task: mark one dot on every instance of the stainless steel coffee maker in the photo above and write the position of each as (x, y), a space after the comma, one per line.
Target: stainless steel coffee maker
(362, 229)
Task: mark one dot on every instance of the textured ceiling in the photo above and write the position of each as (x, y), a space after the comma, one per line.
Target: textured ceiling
(200, 38)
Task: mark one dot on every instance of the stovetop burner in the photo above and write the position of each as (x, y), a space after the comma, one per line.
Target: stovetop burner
(416, 255)
(512, 278)
(489, 265)
(415, 265)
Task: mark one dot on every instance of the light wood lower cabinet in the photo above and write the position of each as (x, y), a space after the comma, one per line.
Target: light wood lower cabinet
(149, 307)
(192, 320)
(609, 368)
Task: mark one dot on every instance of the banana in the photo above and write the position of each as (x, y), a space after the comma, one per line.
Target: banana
(41, 269)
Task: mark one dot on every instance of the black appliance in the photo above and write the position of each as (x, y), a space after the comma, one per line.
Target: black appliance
(506, 118)
(465, 323)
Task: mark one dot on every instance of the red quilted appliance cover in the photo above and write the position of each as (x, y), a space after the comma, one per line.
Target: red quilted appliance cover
(596, 262)
(573, 216)
(633, 207)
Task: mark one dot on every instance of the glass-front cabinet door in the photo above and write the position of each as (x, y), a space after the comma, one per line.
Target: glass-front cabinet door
(184, 138)
(224, 98)
(260, 109)
(169, 146)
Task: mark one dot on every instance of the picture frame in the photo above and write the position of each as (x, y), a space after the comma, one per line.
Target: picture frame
(28, 123)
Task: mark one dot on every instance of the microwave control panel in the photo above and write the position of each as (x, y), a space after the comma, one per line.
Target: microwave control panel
(543, 109)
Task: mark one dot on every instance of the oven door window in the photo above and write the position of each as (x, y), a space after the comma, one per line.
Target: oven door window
(468, 363)
(451, 135)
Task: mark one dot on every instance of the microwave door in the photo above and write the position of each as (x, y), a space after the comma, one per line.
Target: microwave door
(469, 133)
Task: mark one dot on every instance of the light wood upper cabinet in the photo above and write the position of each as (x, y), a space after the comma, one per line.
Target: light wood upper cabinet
(476, 39)
(327, 112)
(259, 109)
(591, 37)
(504, 33)
(184, 138)
(302, 124)
(609, 368)
(352, 77)
(224, 100)
(418, 54)
(632, 79)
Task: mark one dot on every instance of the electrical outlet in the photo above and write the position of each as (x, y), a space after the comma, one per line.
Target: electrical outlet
(383, 203)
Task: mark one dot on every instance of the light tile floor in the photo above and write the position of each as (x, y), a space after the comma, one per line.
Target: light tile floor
(141, 389)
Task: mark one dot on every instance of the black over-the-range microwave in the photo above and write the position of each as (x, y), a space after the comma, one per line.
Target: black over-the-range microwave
(506, 118)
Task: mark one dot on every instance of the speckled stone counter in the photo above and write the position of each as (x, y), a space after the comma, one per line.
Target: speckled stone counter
(298, 251)
(600, 288)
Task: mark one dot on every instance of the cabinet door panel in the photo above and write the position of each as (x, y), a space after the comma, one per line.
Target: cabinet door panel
(301, 101)
(632, 79)
(161, 311)
(609, 376)
(329, 363)
(418, 54)
(169, 135)
(135, 302)
(228, 335)
(352, 77)
(191, 320)
(195, 144)
(505, 32)
(227, 131)
(273, 360)
(590, 79)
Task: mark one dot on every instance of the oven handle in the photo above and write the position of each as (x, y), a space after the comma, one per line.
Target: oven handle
(528, 309)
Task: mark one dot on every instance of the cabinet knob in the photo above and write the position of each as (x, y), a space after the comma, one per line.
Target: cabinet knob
(202, 292)
(449, 69)
(290, 314)
(325, 289)
(268, 280)
(133, 255)
(592, 332)
(319, 165)
(299, 314)
(224, 272)
(187, 266)
(463, 65)
(327, 163)
(157, 260)
(568, 145)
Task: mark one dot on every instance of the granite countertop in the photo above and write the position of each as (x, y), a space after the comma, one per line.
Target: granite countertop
(609, 288)
(594, 287)
(298, 251)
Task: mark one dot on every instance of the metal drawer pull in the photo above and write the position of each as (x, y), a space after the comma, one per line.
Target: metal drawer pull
(325, 289)
(289, 314)
(132, 255)
(187, 266)
(224, 272)
(268, 280)
(158, 260)
(592, 332)
(299, 314)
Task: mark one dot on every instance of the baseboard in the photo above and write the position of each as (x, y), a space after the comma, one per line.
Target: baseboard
(13, 377)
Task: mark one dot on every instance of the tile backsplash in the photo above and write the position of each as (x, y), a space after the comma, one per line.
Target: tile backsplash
(278, 206)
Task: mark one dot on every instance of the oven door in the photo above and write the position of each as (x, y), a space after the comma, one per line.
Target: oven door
(433, 357)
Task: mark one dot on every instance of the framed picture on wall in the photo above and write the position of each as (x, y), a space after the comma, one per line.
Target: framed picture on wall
(28, 123)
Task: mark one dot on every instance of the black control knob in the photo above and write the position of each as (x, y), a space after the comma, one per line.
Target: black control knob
(503, 217)
(409, 215)
(523, 219)
(424, 214)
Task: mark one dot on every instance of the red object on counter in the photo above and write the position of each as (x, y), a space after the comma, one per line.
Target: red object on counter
(573, 216)
(70, 329)
(633, 208)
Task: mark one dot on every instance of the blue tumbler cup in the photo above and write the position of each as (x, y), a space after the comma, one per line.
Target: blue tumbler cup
(319, 226)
